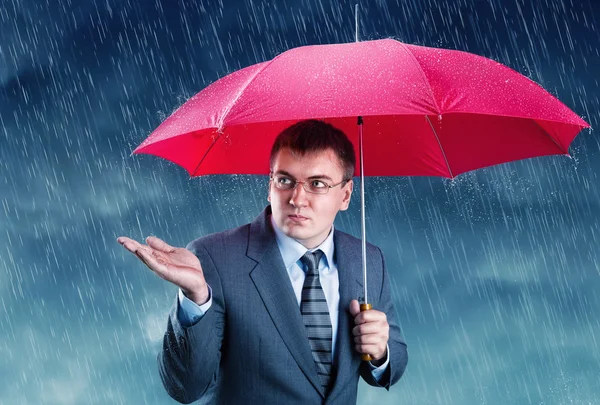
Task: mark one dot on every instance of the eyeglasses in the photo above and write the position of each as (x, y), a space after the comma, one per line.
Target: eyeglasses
(312, 186)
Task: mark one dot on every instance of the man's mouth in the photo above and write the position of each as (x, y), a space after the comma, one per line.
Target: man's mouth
(296, 217)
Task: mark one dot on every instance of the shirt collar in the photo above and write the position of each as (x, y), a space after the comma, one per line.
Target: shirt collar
(292, 250)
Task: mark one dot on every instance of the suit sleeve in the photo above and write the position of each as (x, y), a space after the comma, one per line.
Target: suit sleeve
(397, 346)
(188, 363)
(189, 312)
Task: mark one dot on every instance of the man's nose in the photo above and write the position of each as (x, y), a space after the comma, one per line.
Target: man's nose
(298, 198)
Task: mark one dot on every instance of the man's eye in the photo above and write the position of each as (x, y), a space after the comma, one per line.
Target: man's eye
(318, 184)
(284, 180)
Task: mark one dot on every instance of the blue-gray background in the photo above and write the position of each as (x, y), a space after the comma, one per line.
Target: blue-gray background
(495, 274)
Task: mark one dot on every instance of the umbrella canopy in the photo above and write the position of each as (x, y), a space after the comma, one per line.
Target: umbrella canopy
(427, 111)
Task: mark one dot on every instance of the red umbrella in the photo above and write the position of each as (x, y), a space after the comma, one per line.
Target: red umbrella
(427, 112)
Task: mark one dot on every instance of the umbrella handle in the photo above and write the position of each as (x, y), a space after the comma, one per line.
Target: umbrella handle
(366, 307)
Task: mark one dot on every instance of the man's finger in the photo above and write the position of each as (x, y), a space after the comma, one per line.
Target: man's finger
(159, 244)
(366, 348)
(135, 247)
(368, 328)
(354, 308)
(371, 315)
(126, 242)
(129, 244)
(368, 339)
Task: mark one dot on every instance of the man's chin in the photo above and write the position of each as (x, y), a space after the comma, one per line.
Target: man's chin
(294, 232)
(297, 232)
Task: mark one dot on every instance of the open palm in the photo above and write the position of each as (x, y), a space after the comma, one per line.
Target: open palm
(175, 264)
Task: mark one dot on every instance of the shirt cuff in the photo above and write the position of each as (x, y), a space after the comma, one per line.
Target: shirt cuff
(377, 372)
(189, 312)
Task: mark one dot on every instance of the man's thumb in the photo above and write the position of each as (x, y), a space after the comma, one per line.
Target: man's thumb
(354, 308)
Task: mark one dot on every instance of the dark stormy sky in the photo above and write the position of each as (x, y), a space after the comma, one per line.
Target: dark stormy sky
(495, 274)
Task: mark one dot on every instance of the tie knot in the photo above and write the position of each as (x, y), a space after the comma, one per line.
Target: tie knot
(311, 260)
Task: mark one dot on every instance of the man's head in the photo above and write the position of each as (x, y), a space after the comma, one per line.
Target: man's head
(320, 155)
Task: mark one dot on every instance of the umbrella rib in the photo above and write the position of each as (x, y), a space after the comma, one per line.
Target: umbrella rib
(205, 154)
(239, 95)
(440, 145)
(550, 136)
(222, 120)
(416, 62)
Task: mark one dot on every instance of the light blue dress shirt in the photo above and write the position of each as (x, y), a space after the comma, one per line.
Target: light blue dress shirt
(291, 252)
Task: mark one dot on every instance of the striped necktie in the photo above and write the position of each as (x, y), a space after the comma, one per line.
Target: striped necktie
(315, 315)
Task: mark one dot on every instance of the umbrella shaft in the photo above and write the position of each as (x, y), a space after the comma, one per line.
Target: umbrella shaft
(362, 185)
(356, 20)
(362, 206)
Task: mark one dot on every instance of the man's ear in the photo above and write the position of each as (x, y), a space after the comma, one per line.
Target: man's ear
(348, 187)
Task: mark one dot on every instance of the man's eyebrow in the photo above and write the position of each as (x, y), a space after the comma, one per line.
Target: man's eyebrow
(315, 177)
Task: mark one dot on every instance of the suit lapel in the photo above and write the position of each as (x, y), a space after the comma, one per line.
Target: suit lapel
(273, 284)
(349, 262)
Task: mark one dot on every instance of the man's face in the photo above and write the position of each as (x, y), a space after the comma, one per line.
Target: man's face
(301, 215)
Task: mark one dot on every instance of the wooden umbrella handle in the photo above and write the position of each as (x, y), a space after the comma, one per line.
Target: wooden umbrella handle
(366, 307)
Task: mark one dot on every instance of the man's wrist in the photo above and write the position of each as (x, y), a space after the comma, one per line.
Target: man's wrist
(378, 363)
(199, 299)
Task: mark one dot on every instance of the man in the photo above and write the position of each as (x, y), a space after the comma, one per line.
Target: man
(267, 312)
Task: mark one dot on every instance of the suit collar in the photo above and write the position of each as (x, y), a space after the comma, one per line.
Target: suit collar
(292, 250)
(261, 236)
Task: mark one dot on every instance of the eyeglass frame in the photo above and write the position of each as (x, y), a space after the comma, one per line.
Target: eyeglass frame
(296, 182)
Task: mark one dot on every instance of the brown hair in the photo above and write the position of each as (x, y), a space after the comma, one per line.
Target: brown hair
(315, 136)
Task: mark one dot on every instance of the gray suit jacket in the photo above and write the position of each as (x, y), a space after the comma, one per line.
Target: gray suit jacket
(251, 346)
